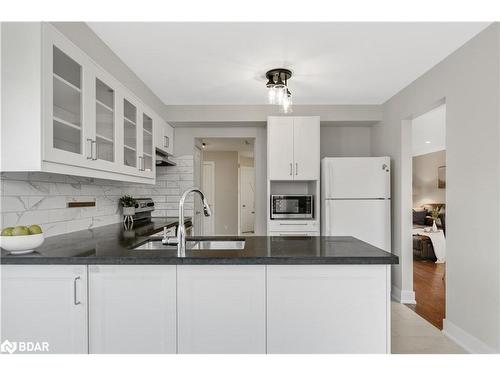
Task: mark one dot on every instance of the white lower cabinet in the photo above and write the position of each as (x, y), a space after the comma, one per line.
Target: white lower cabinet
(328, 309)
(132, 309)
(221, 308)
(198, 308)
(45, 303)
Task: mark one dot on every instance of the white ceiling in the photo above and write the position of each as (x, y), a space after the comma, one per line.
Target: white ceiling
(429, 131)
(333, 63)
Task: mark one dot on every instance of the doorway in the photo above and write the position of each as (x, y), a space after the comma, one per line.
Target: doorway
(228, 181)
(428, 133)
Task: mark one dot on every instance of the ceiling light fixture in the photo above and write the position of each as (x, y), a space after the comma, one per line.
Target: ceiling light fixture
(277, 89)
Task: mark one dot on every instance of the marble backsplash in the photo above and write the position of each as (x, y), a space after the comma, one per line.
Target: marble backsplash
(42, 198)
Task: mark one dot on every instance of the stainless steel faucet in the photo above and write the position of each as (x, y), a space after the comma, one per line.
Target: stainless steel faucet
(180, 239)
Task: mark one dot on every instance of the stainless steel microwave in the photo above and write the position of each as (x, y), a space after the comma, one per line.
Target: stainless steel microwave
(292, 207)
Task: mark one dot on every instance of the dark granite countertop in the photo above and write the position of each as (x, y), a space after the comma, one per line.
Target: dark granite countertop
(112, 244)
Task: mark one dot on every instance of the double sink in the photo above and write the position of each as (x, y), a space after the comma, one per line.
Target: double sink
(198, 244)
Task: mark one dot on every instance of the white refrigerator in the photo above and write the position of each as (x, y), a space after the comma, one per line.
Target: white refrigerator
(356, 199)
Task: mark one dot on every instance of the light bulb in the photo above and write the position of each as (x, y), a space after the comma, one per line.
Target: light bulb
(280, 94)
(271, 95)
(287, 103)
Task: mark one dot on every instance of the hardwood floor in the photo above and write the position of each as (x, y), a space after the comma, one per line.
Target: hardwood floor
(429, 289)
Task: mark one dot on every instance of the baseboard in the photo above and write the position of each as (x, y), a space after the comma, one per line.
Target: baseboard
(403, 296)
(465, 340)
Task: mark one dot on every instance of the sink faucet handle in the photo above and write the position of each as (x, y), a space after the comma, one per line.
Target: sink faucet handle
(206, 208)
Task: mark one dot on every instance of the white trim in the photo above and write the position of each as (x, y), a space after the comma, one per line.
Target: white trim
(403, 296)
(211, 201)
(470, 343)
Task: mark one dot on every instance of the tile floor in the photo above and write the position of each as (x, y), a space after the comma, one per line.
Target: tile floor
(411, 334)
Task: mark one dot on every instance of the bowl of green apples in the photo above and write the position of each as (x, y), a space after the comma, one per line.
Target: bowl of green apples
(21, 239)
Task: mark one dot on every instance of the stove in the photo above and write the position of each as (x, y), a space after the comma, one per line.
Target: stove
(143, 208)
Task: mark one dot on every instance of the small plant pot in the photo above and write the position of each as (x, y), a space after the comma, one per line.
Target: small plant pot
(128, 211)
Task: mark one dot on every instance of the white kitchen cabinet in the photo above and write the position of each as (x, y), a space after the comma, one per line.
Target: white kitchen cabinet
(132, 309)
(221, 308)
(165, 137)
(45, 303)
(280, 148)
(306, 148)
(72, 110)
(293, 146)
(328, 309)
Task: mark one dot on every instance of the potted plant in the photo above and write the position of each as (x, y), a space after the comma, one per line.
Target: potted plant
(435, 216)
(128, 205)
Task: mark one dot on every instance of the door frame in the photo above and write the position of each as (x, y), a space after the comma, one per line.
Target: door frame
(239, 195)
(212, 165)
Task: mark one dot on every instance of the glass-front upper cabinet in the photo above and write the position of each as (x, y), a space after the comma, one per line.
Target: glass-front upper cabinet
(129, 134)
(147, 143)
(67, 116)
(105, 121)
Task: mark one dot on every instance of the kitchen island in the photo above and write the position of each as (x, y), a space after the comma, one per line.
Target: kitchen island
(94, 293)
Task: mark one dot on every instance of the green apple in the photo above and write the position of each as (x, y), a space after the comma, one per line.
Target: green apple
(20, 231)
(7, 231)
(35, 229)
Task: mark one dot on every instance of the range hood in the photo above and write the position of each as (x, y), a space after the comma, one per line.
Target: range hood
(163, 160)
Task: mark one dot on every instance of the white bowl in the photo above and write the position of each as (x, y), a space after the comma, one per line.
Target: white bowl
(21, 244)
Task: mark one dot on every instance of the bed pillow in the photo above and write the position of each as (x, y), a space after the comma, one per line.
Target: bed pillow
(419, 216)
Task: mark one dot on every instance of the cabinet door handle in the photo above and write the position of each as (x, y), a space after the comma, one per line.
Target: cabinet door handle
(166, 141)
(296, 169)
(95, 148)
(291, 169)
(91, 157)
(75, 299)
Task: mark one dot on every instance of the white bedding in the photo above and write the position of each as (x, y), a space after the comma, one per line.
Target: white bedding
(438, 242)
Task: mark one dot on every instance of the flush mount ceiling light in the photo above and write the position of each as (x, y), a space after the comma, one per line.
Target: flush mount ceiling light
(277, 89)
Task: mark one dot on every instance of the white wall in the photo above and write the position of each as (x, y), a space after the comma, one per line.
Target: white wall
(468, 81)
(345, 141)
(425, 179)
(226, 190)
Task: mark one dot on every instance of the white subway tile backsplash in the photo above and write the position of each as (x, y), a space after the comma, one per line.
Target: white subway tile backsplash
(42, 198)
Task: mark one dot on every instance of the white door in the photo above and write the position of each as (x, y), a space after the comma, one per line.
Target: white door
(321, 309)
(45, 303)
(368, 220)
(306, 148)
(132, 309)
(356, 177)
(247, 200)
(208, 188)
(221, 309)
(280, 148)
(198, 207)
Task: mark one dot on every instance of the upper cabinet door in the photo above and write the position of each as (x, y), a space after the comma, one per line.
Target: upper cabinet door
(67, 138)
(105, 114)
(130, 155)
(147, 144)
(280, 148)
(306, 148)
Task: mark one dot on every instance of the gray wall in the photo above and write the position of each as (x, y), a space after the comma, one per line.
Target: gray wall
(468, 81)
(226, 190)
(425, 178)
(345, 141)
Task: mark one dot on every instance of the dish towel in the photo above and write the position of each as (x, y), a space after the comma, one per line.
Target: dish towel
(438, 242)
